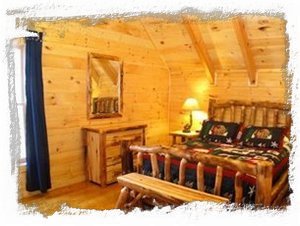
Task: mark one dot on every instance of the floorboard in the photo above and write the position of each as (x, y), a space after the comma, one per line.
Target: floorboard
(84, 195)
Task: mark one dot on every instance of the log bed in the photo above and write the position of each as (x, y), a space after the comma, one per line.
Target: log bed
(267, 192)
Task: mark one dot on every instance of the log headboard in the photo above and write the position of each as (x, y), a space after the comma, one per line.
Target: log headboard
(251, 113)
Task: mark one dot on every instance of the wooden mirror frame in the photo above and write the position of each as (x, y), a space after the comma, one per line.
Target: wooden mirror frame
(90, 115)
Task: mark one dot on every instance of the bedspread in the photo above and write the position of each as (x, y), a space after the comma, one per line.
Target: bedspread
(279, 157)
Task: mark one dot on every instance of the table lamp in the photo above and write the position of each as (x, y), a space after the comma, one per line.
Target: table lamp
(190, 105)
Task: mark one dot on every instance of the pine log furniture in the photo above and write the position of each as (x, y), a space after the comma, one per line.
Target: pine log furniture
(183, 135)
(270, 179)
(169, 192)
(102, 145)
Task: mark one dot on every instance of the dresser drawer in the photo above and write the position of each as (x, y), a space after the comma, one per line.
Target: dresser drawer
(112, 172)
(113, 155)
(113, 149)
(114, 139)
(114, 169)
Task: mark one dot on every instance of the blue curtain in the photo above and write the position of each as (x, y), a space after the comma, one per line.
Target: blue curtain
(37, 154)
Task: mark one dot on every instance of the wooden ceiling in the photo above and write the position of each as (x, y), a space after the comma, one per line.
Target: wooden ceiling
(244, 43)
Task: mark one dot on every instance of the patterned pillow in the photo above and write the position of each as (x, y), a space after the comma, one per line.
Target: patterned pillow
(263, 137)
(219, 132)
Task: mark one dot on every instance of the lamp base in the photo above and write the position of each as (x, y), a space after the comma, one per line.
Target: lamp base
(187, 128)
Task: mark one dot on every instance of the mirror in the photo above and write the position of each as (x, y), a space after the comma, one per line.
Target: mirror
(104, 83)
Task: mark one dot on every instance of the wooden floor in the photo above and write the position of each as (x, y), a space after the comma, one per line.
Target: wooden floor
(84, 195)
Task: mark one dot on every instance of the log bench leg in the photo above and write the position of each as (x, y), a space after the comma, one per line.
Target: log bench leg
(135, 201)
(123, 197)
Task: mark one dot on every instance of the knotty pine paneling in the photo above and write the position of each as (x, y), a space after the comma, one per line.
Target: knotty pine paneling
(270, 86)
(185, 85)
(145, 90)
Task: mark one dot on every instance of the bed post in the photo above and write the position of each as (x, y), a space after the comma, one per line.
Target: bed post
(263, 183)
(211, 104)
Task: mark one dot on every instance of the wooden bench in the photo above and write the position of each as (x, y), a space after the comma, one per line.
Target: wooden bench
(137, 186)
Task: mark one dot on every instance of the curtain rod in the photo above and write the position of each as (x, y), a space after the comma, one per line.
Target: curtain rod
(40, 34)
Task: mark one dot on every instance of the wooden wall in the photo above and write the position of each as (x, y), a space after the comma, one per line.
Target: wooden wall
(145, 88)
(265, 43)
(183, 85)
(187, 78)
(271, 86)
(162, 67)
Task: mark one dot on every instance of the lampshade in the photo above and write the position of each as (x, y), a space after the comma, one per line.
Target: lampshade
(190, 104)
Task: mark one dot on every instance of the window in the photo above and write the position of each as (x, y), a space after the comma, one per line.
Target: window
(19, 60)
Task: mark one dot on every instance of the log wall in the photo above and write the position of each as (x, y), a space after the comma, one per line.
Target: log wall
(183, 85)
(65, 50)
(271, 86)
(264, 40)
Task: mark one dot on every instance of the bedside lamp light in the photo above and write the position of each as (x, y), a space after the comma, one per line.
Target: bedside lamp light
(190, 105)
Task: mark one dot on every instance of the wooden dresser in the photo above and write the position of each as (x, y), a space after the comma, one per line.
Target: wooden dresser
(102, 146)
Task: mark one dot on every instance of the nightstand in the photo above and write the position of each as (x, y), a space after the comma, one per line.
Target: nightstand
(184, 136)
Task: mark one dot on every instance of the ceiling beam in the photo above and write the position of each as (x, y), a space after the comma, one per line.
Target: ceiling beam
(109, 70)
(241, 35)
(199, 45)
